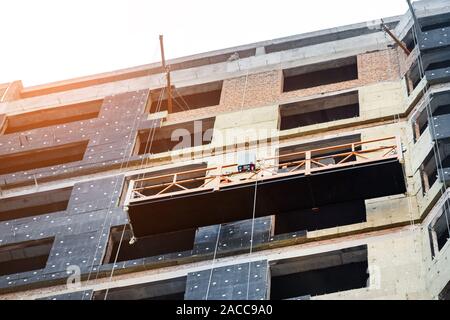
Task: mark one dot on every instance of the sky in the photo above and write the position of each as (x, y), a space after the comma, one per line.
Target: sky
(51, 40)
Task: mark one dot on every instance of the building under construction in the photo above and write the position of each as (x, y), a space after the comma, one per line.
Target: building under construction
(307, 167)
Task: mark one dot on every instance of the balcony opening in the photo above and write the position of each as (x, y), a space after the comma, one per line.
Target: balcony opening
(175, 137)
(317, 218)
(24, 256)
(320, 74)
(172, 289)
(146, 246)
(52, 116)
(34, 204)
(41, 158)
(187, 98)
(319, 274)
(304, 113)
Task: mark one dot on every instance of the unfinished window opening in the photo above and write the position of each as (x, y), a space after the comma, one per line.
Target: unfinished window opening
(429, 167)
(409, 41)
(319, 274)
(41, 158)
(187, 98)
(434, 22)
(420, 124)
(52, 116)
(146, 246)
(441, 228)
(439, 106)
(291, 155)
(438, 65)
(330, 216)
(428, 172)
(34, 204)
(445, 293)
(320, 74)
(172, 289)
(175, 137)
(413, 78)
(24, 256)
(304, 113)
(434, 59)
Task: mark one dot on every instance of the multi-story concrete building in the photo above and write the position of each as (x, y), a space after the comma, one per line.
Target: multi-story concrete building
(308, 167)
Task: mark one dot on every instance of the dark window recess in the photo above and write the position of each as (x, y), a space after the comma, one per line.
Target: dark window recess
(53, 116)
(24, 256)
(439, 107)
(34, 204)
(149, 246)
(428, 171)
(441, 228)
(319, 274)
(438, 65)
(334, 215)
(445, 293)
(172, 289)
(320, 74)
(179, 136)
(441, 110)
(435, 22)
(304, 113)
(40, 158)
(420, 124)
(188, 98)
(442, 232)
(337, 214)
(408, 40)
(413, 78)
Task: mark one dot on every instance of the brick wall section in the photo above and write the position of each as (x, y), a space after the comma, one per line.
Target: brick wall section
(258, 90)
(265, 88)
(378, 66)
(261, 89)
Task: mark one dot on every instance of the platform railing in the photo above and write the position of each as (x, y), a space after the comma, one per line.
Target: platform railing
(296, 163)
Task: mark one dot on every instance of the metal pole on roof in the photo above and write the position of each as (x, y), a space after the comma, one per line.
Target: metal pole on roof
(167, 69)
